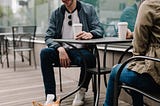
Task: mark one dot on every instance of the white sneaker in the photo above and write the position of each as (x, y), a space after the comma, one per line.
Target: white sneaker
(79, 98)
(50, 98)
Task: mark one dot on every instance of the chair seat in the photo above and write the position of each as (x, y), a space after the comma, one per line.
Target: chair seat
(151, 95)
(103, 70)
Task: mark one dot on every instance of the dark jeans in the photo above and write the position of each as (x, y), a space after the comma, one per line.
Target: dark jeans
(50, 56)
(140, 81)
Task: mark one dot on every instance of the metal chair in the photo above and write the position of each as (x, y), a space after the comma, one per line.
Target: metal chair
(104, 68)
(103, 71)
(93, 71)
(151, 95)
(3, 31)
(22, 41)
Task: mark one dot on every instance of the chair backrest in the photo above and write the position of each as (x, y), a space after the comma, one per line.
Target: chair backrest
(23, 34)
(124, 53)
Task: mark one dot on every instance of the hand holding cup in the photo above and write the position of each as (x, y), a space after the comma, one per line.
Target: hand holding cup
(77, 28)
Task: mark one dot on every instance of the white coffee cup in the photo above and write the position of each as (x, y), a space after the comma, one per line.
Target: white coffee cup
(122, 29)
(77, 28)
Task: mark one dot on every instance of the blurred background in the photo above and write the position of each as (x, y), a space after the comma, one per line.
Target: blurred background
(37, 12)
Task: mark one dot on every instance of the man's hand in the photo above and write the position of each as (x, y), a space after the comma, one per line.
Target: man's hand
(129, 34)
(63, 57)
(84, 35)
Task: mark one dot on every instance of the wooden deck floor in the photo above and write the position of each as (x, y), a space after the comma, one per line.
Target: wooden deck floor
(20, 88)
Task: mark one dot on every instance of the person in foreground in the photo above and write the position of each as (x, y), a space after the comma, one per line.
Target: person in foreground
(146, 41)
(60, 27)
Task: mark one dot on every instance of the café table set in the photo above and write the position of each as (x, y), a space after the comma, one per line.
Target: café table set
(95, 43)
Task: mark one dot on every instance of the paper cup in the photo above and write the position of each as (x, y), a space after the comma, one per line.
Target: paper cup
(122, 29)
(77, 28)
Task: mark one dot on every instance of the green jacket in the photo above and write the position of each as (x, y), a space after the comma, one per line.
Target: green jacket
(129, 15)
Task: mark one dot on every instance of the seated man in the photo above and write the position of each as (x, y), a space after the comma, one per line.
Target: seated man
(60, 26)
(146, 41)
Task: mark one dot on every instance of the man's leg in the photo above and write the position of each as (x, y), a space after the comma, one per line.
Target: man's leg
(90, 61)
(140, 81)
(110, 87)
(126, 76)
(49, 56)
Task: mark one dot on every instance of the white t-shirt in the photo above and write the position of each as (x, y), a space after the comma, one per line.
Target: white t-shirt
(67, 31)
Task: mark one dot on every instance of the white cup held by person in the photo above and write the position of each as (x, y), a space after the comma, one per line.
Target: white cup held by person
(77, 28)
(122, 29)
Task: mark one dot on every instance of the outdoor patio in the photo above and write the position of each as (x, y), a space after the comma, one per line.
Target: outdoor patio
(25, 85)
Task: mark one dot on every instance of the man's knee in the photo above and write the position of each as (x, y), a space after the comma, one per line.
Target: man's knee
(46, 53)
(43, 53)
(114, 70)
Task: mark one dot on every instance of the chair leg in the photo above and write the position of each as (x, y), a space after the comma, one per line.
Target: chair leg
(1, 54)
(94, 86)
(7, 59)
(1, 59)
(60, 79)
(14, 60)
(22, 56)
(34, 56)
(30, 58)
(6, 47)
(105, 80)
(113, 58)
(3, 46)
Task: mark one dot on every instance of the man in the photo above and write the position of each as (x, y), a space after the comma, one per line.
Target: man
(60, 26)
(129, 14)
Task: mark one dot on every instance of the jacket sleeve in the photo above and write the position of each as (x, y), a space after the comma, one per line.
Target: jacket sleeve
(95, 26)
(51, 32)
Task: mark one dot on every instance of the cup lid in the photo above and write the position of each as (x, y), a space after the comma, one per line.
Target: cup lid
(122, 23)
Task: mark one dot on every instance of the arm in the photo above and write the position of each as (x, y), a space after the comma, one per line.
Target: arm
(95, 26)
(129, 34)
(92, 26)
(142, 30)
(63, 57)
(51, 32)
